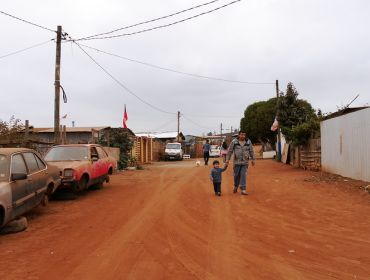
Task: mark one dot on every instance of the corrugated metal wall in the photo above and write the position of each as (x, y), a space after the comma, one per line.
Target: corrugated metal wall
(345, 145)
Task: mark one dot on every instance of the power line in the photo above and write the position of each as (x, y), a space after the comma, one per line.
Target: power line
(175, 71)
(213, 116)
(85, 38)
(197, 124)
(161, 26)
(28, 22)
(27, 48)
(121, 83)
(172, 120)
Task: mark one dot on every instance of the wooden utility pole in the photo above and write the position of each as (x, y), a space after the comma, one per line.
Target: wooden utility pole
(178, 126)
(279, 136)
(57, 86)
(26, 130)
(221, 131)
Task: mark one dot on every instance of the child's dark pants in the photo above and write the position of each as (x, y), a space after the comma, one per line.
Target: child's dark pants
(217, 186)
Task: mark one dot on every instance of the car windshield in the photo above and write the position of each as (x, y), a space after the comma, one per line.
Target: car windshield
(173, 146)
(67, 153)
(3, 166)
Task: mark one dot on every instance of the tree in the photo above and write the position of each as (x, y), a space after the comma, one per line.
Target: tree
(257, 121)
(10, 132)
(292, 111)
(297, 119)
(120, 138)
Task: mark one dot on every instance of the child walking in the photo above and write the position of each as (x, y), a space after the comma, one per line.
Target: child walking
(216, 176)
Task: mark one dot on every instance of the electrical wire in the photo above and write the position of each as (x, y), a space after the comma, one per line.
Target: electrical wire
(175, 71)
(172, 120)
(198, 124)
(121, 83)
(161, 26)
(28, 22)
(213, 116)
(26, 48)
(85, 38)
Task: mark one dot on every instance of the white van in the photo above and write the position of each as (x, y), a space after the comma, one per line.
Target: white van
(173, 151)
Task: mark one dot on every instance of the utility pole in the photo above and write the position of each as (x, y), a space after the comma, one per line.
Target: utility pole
(221, 131)
(57, 86)
(279, 136)
(178, 126)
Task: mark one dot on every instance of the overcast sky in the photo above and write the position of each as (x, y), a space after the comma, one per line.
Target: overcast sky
(321, 46)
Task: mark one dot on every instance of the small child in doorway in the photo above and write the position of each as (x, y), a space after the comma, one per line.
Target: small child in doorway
(216, 176)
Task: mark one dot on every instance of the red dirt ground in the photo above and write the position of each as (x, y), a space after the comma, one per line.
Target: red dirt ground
(165, 222)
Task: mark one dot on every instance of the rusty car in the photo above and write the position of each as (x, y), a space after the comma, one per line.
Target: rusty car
(81, 166)
(26, 181)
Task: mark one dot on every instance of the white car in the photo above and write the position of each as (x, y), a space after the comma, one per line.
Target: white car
(173, 151)
(215, 151)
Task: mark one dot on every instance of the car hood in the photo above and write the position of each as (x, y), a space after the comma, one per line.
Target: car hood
(68, 164)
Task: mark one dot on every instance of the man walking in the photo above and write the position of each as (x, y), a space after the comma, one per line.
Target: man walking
(206, 150)
(242, 149)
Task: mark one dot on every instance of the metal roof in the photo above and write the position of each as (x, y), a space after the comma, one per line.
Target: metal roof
(69, 129)
(162, 135)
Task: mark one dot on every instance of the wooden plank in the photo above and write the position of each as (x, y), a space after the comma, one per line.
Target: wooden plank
(284, 156)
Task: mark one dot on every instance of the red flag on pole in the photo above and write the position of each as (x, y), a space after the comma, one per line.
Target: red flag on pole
(275, 124)
(65, 116)
(125, 118)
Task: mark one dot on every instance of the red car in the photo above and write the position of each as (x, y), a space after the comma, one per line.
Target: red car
(81, 165)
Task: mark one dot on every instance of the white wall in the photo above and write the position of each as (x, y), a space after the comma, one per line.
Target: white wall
(345, 145)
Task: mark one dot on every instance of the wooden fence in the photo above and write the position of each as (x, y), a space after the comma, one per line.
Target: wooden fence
(306, 157)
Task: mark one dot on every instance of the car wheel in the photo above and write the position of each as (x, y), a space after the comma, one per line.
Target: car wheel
(17, 225)
(107, 179)
(97, 186)
(83, 183)
(45, 200)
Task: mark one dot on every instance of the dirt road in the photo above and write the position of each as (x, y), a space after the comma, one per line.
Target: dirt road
(166, 223)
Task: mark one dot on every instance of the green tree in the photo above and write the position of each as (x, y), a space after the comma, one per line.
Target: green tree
(297, 119)
(302, 132)
(257, 121)
(292, 111)
(120, 138)
(11, 132)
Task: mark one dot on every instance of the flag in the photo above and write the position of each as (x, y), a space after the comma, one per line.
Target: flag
(275, 124)
(65, 116)
(125, 118)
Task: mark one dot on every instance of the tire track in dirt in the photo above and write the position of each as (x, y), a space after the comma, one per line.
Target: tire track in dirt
(177, 231)
(129, 243)
(287, 272)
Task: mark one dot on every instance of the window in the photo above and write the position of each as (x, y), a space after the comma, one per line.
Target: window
(93, 152)
(3, 167)
(31, 162)
(101, 152)
(18, 165)
(40, 163)
(66, 153)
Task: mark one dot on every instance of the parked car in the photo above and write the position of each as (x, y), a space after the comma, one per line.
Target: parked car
(26, 181)
(173, 151)
(81, 165)
(215, 151)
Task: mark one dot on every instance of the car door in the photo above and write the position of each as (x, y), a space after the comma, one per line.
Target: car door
(22, 195)
(104, 159)
(38, 174)
(96, 170)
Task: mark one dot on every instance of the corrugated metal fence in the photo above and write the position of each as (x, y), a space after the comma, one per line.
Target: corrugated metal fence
(345, 145)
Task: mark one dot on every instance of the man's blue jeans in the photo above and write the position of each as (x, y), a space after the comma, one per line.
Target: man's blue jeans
(240, 176)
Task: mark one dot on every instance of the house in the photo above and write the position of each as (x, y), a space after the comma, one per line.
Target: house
(163, 136)
(74, 135)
